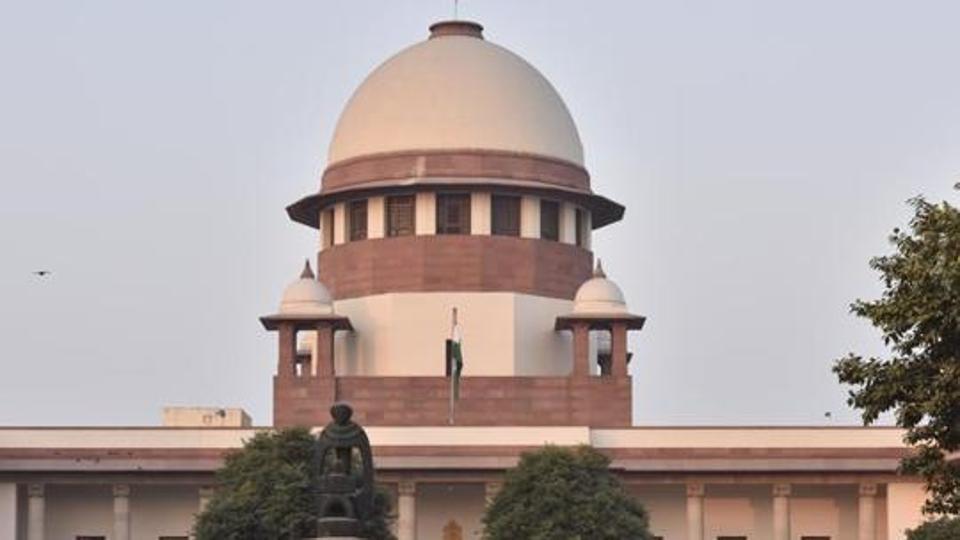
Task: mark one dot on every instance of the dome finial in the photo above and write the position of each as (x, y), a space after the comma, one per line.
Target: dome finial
(598, 271)
(307, 271)
(456, 27)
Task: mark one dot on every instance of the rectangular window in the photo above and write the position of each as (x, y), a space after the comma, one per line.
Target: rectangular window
(453, 213)
(549, 220)
(358, 220)
(401, 215)
(505, 215)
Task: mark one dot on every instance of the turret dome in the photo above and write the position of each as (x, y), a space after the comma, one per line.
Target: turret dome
(599, 295)
(306, 296)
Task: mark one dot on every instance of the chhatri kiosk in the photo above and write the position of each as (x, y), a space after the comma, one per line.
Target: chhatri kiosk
(456, 180)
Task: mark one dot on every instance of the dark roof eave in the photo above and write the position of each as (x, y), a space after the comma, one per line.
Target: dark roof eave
(604, 211)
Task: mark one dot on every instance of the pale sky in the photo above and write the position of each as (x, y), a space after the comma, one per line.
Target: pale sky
(764, 150)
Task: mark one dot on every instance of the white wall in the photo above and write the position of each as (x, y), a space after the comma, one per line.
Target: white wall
(438, 504)
(904, 508)
(404, 333)
(74, 510)
(738, 510)
(538, 348)
(824, 511)
(162, 510)
(8, 511)
(667, 507)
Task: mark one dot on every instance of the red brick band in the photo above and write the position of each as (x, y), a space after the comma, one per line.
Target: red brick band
(454, 263)
(484, 401)
(465, 163)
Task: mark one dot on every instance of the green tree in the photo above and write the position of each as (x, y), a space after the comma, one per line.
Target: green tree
(564, 494)
(942, 529)
(265, 491)
(919, 317)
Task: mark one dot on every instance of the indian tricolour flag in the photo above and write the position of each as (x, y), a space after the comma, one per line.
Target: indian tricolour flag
(454, 361)
(456, 355)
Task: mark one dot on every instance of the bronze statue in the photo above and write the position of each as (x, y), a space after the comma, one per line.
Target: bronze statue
(346, 487)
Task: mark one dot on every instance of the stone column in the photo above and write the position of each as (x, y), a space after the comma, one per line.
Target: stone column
(618, 349)
(781, 512)
(695, 494)
(121, 512)
(491, 490)
(324, 350)
(35, 512)
(407, 510)
(287, 355)
(867, 512)
(205, 494)
(8, 510)
(581, 349)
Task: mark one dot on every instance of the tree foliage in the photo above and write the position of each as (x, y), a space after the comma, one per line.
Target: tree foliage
(265, 491)
(558, 493)
(919, 317)
(941, 529)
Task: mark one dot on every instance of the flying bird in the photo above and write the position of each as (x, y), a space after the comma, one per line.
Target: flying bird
(42, 273)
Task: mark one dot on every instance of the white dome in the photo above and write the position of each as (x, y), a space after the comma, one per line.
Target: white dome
(306, 296)
(456, 91)
(599, 295)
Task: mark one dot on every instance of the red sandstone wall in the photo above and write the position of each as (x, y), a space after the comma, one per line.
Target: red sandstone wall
(484, 401)
(454, 263)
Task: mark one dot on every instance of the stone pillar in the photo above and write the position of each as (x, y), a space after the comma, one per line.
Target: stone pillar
(324, 350)
(781, 512)
(867, 512)
(35, 512)
(618, 349)
(8, 510)
(407, 510)
(581, 349)
(205, 494)
(121, 512)
(287, 357)
(491, 490)
(695, 494)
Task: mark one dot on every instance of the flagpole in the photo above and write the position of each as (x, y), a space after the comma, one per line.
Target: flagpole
(452, 368)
